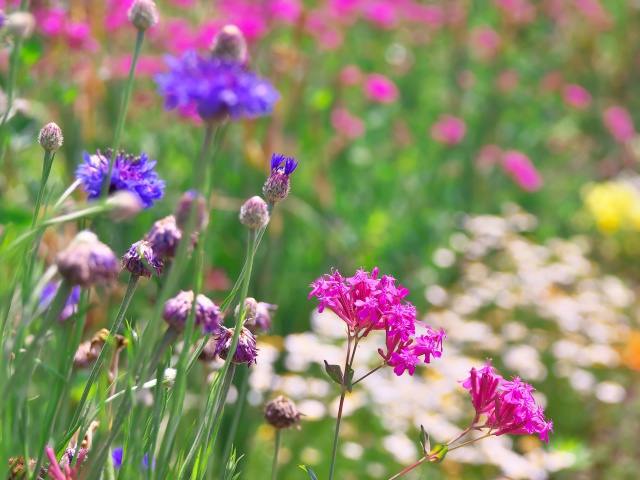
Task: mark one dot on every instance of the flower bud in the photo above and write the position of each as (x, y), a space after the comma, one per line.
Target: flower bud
(124, 204)
(50, 137)
(262, 320)
(164, 237)
(143, 14)
(254, 214)
(192, 199)
(277, 186)
(229, 44)
(21, 24)
(246, 351)
(132, 260)
(87, 261)
(177, 309)
(169, 377)
(251, 306)
(281, 412)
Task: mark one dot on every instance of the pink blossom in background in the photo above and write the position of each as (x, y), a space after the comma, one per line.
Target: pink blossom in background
(517, 11)
(247, 15)
(324, 31)
(175, 36)
(594, 12)
(466, 79)
(350, 75)
(343, 7)
(576, 96)
(382, 13)
(488, 156)
(431, 15)
(485, 42)
(116, 16)
(346, 124)
(78, 37)
(147, 66)
(455, 13)
(449, 130)
(620, 124)
(518, 166)
(551, 82)
(183, 3)
(51, 22)
(380, 89)
(287, 11)
(507, 81)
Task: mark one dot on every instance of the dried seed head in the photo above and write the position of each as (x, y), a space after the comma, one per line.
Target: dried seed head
(281, 412)
(246, 351)
(50, 137)
(254, 214)
(177, 309)
(21, 24)
(133, 261)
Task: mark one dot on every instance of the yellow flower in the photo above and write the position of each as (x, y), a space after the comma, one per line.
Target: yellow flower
(614, 205)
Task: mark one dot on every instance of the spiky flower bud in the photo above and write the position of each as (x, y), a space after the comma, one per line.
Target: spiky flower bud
(251, 306)
(230, 44)
(164, 237)
(246, 351)
(254, 214)
(281, 412)
(21, 24)
(132, 260)
(143, 14)
(87, 261)
(50, 137)
(277, 186)
(177, 309)
(188, 200)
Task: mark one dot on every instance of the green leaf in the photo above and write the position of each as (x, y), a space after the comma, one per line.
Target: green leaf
(349, 379)
(31, 52)
(438, 453)
(424, 440)
(312, 475)
(334, 372)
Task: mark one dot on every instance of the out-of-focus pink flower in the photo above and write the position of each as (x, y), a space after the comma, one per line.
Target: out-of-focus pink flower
(620, 124)
(576, 96)
(147, 66)
(449, 130)
(346, 124)
(488, 156)
(380, 89)
(518, 166)
(594, 12)
(350, 75)
(246, 15)
(51, 22)
(324, 31)
(517, 11)
(507, 80)
(431, 15)
(382, 13)
(78, 37)
(183, 3)
(116, 16)
(466, 79)
(455, 13)
(485, 42)
(343, 7)
(551, 82)
(287, 11)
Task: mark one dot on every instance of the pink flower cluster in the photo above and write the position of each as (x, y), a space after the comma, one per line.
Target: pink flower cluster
(620, 124)
(508, 406)
(366, 302)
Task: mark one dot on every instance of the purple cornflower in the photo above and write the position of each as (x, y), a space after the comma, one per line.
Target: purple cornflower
(164, 237)
(132, 260)
(177, 309)
(87, 261)
(365, 303)
(215, 87)
(246, 351)
(509, 406)
(135, 174)
(117, 454)
(278, 185)
(70, 308)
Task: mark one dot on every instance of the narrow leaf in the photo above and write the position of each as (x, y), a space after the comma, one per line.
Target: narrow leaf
(312, 475)
(349, 379)
(424, 440)
(334, 372)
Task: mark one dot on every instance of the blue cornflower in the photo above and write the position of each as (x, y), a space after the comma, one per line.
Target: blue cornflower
(116, 457)
(134, 174)
(277, 186)
(215, 87)
(70, 307)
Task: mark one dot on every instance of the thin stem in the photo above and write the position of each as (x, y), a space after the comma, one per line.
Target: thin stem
(488, 434)
(46, 170)
(464, 432)
(411, 467)
(372, 371)
(274, 469)
(343, 393)
(236, 418)
(123, 111)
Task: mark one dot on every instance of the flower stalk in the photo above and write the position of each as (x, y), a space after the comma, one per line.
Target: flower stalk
(274, 468)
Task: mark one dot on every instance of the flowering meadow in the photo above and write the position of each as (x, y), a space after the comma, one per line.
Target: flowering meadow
(319, 239)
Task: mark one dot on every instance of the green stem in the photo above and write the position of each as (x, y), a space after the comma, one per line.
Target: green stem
(339, 419)
(411, 467)
(274, 469)
(46, 170)
(123, 111)
(231, 435)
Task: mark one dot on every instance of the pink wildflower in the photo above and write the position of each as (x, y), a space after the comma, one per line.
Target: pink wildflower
(485, 42)
(620, 124)
(69, 473)
(346, 124)
(576, 96)
(488, 156)
(518, 166)
(350, 75)
(380, 89)
(431, 15)
(449, 130)
(287, 11)
(382, 13)
(517, 11)
(507, 81)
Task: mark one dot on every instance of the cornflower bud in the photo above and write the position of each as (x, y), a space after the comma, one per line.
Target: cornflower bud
(177, 309)
(188, 200)
(50, 137)
(229, 44)
(169, 377)
(124, 204)
(262, 320)
(251, 306)
(132, 260)
(143, 14)
(281, 412)
(277, 186)
(164, 237)
(21, 24)
(254, 214)
(246, 351)
(87, 261)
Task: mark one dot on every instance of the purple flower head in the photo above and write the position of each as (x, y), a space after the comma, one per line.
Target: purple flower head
(509, 406)
(367, 302)
(117, 457)
(132, 260)
(165, 236)
(134, 174)
(215, 87)
(71, 307)
(246, 351)
(192, 199)
(278, 185)
(177, 309)
(87, 261)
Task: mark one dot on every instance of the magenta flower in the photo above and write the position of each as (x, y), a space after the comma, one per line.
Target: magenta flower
(485, 42)
(346, 124)
(449, 130)
(350, 75)
(509, 406)
(576, 96)
(518, 166)
(382, 13)
(367, 303)
(517, 11)
(69, 473)
(380, 89)
(620, 124)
